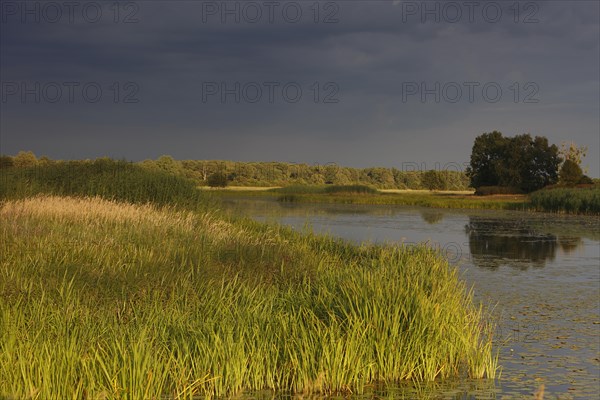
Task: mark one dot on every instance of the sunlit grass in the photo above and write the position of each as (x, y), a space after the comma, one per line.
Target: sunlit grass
(118, 180)
(103, 299)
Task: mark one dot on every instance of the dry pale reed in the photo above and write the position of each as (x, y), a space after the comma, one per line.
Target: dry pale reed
(96, 211)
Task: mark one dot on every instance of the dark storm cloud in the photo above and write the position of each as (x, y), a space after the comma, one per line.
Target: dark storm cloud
(370, 55)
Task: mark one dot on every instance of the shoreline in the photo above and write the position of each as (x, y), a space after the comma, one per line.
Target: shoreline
(465, 200)
(397, 197)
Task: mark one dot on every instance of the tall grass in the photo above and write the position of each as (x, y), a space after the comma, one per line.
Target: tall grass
(567, 200)
(107, 178)
(103, 299)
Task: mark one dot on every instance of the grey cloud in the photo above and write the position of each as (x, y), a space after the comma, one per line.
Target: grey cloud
(370, 54)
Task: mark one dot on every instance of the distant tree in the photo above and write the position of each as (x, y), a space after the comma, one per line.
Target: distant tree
(25, 159)
(204, 171)
(544, 161)
(45, 160)
(6, 162)
(433, 180)
(149, 164)
(570, 173)
(169, 164)
(331, 174)
(571, 151)
(532, 163)
(521, 162)
(217, 179)
(407, 179)
(486, 155)
(379, 177)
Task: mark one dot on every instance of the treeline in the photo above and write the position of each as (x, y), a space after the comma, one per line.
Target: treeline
(285, 174)
(235, 173)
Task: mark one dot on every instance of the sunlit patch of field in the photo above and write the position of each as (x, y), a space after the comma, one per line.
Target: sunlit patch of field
(105, 299)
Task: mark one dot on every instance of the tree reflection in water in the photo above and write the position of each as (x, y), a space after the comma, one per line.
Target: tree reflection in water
(516, 243)
(569, 243)
(432, 216)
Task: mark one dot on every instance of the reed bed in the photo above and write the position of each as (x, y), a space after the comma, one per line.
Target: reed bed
(567, 200)
(107, 178)
(104, 299)
(433, 199)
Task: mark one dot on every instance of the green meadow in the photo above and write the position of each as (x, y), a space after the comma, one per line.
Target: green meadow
(141, 288)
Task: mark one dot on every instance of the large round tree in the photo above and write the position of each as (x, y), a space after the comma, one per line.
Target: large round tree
(520, 162)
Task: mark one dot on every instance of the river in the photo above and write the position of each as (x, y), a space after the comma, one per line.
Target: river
(539, 272)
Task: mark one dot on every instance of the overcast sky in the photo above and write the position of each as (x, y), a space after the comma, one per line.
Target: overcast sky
(357, 83)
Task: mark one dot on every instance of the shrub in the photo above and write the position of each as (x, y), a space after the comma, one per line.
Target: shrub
(570, 173)
(6, 162)
(218, 179)
(434, 180)
(299, 189)
(585, 180)
(357, 189)
(25, 159)
(491, 190)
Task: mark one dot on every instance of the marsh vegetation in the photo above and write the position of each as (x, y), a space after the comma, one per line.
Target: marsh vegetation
(109, 291)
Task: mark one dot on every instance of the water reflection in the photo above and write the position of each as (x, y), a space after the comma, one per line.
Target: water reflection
(491, 239)
(459, 389)
(569, 243)
(547, 317)
(432, 216)
(516, 243)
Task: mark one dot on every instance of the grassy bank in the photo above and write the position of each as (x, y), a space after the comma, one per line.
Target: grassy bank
(108, 299)
(110, 179)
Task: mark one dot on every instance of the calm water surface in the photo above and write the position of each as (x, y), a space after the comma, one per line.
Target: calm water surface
(541, 273)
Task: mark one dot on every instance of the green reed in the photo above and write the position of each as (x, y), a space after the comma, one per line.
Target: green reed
(108, 300)
(567, 200)
(102, 177)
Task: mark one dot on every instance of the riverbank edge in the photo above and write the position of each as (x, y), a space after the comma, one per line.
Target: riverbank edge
(462, 200)
(333, 299)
